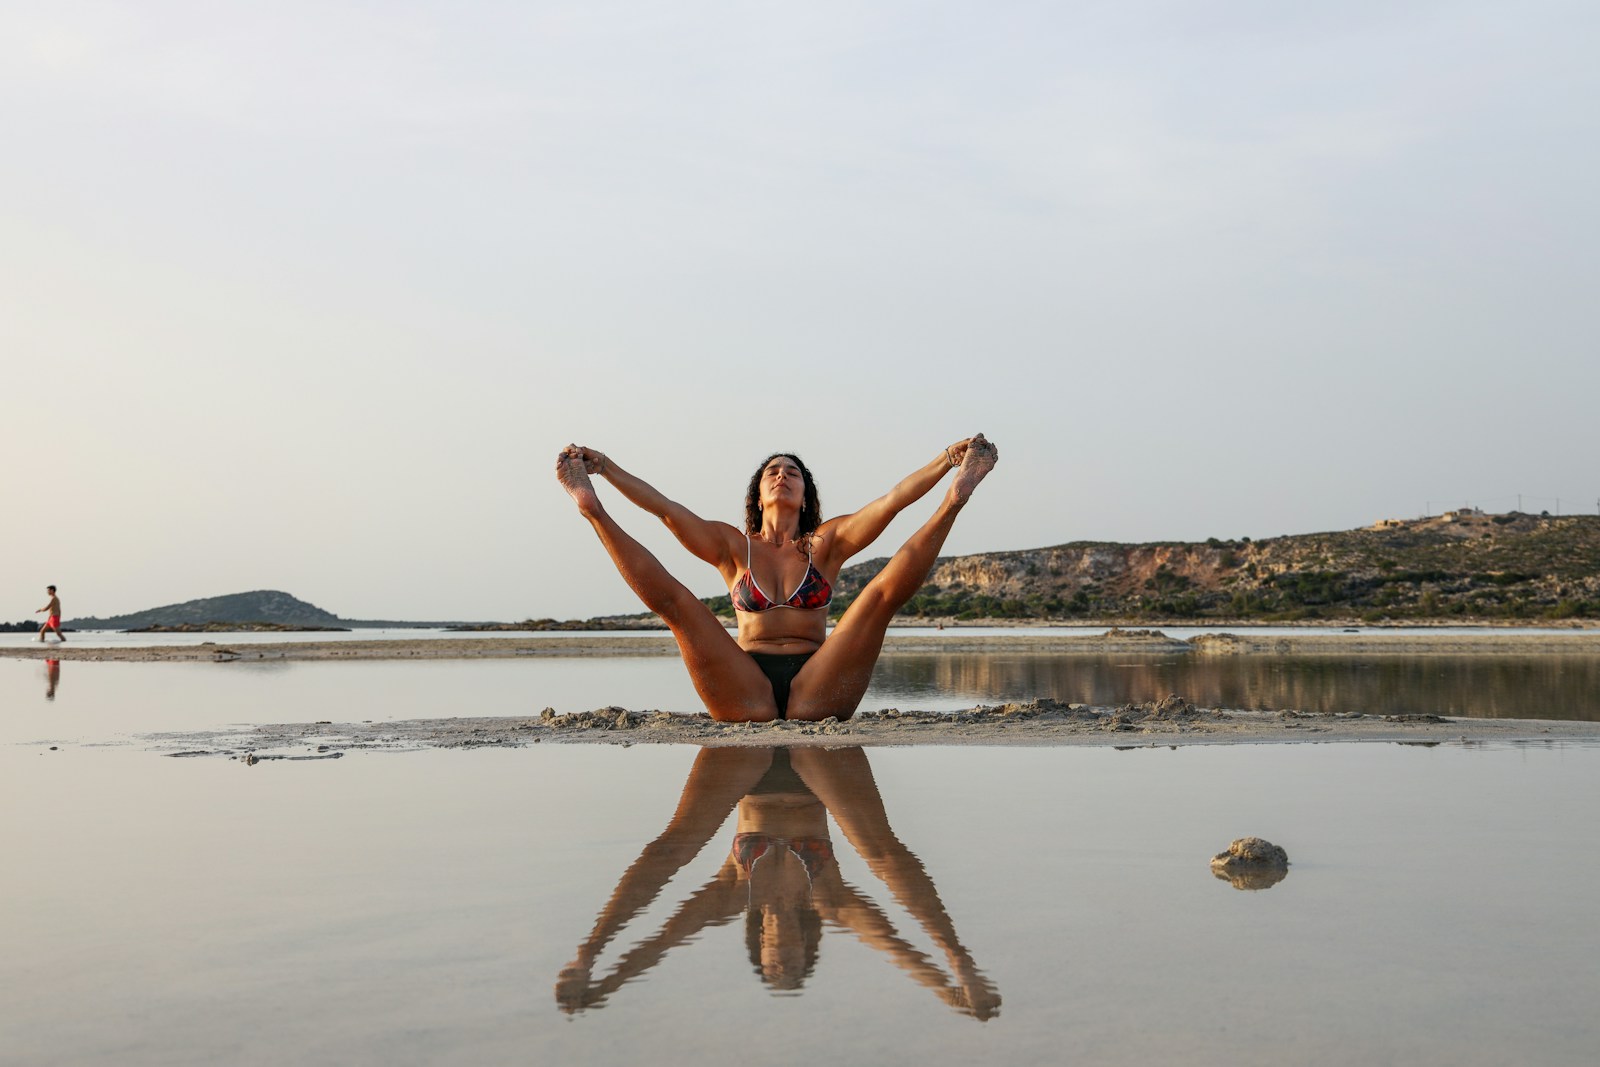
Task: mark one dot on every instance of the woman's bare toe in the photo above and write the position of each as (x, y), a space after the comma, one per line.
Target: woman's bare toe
(975, 465)
(574, 478)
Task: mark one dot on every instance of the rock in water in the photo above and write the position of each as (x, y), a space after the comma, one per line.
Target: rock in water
(1251, 863)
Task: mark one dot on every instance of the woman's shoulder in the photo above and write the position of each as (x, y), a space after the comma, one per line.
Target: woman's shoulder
(822, 544)
(732, 536)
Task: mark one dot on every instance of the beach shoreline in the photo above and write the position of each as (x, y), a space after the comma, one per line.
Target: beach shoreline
(1366, 643)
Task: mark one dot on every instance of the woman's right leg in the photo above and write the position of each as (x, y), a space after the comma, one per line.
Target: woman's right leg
(836, 678)
(727, 679)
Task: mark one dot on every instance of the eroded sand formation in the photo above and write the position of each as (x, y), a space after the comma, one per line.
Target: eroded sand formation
(1172, 721)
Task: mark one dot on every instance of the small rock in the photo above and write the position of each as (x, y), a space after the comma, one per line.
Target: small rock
(1251, 863)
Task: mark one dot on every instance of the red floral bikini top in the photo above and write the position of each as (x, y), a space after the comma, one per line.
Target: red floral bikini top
(815, 852)
(814, 590)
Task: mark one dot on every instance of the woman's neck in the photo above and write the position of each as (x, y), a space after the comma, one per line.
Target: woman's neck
(779, 529)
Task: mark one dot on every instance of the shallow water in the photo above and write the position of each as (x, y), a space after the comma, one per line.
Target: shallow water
(81, 701)
(1485, 686)
(420, 907)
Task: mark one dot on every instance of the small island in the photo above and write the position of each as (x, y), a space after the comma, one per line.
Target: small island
(234, 627)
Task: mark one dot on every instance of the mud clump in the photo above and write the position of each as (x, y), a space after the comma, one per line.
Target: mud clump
(1043, 708)
(1172, 709)
(610, 718)
(1251, 863)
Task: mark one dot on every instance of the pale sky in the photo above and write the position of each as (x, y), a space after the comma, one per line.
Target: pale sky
(307, 296)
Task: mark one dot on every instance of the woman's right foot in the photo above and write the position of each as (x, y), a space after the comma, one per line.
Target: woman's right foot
(979, 461)
(574, 478)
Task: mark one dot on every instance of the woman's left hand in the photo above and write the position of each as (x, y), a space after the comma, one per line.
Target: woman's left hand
(594, 461)
(956, 452)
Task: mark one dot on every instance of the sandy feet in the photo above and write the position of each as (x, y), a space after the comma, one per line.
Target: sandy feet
(975, 465)
(573, 475)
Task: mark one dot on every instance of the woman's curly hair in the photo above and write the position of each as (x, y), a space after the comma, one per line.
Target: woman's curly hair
(810, 507)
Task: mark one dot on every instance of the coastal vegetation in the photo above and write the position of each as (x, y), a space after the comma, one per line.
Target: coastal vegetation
(1461, 567)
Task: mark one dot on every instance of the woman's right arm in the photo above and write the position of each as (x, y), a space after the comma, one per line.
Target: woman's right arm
(704, 538)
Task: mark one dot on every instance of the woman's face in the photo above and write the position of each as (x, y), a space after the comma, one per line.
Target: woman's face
(782, 482)
(783, 947)
(780, 891)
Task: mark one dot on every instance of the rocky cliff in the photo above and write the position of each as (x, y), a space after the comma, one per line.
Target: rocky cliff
(1466, 565)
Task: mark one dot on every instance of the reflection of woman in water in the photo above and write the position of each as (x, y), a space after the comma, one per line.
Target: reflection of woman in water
(780, 871)
(780, 666)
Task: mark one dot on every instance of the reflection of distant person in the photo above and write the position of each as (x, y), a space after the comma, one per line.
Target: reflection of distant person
(781, 874)
(52, 619)
(52, 677)
(780, 569)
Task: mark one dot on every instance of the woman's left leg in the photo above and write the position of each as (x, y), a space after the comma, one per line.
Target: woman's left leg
(835, 679)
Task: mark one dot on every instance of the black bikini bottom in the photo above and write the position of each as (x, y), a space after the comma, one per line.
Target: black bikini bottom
(781, 777)
(780, 669)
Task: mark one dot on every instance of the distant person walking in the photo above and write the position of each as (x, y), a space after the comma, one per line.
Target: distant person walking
(52, 618)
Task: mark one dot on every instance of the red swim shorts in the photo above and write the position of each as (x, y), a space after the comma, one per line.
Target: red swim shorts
(53, 622)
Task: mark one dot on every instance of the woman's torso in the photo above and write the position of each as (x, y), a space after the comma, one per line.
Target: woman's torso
(790, 587)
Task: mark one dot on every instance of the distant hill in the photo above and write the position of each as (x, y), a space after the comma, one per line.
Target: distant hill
(260, 606)
(1458, 567)
(265, 607)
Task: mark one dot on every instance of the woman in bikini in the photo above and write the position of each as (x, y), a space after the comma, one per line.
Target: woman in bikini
(784, 663)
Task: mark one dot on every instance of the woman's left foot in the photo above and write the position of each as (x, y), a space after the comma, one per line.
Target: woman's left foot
(975, 465)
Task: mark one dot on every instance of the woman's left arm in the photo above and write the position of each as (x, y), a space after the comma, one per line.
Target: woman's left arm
(849, 534)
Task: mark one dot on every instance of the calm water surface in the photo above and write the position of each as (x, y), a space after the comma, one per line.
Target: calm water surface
(77, 701)
(607, 905)
(1478, 686)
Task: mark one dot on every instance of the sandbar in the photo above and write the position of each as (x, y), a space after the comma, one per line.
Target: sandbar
(1169, 722)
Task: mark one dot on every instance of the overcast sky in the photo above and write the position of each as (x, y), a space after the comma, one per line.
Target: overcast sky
(306, 296)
